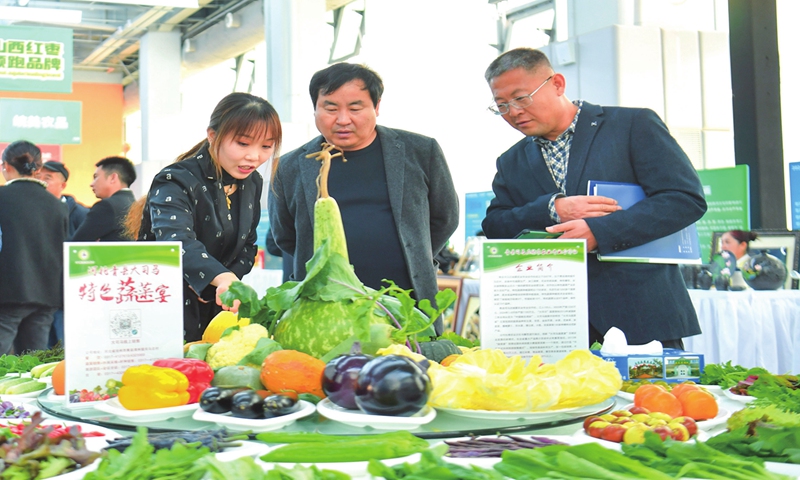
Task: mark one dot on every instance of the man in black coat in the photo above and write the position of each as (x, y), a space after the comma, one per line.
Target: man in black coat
(55, 174)
(105, 220)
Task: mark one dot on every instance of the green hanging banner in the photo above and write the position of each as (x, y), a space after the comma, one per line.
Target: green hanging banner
(36, 59)
(727, 192)
(54, 122)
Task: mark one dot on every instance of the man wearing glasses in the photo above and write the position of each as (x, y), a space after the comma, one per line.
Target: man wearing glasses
(541, 183)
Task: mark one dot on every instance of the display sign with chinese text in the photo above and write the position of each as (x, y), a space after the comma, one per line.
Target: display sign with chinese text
(123, 306)
(727, 192)
(534, 297)
(794, 194)
(35, 59)
(54, 122)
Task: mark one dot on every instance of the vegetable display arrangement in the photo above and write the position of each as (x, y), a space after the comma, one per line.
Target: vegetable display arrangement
(330, 310)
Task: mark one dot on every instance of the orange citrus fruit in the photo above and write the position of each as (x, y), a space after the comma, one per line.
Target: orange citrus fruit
(645, 391)
(58, 378)
(663, 402)
(699, 405)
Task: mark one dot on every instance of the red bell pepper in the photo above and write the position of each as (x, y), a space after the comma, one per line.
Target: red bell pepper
(197, 372)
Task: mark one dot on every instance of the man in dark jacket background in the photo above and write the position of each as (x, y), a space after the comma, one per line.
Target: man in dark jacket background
(104, 223)
(55, 174)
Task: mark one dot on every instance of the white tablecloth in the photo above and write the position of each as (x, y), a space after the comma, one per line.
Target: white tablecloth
(750, 328)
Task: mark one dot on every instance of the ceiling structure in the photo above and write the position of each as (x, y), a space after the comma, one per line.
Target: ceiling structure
(108, 35)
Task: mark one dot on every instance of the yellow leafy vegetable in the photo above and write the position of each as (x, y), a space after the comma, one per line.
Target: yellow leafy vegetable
(488, 380)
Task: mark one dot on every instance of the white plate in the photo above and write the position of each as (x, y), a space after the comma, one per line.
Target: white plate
(113, 407)
(627, 396)
(357, 418)
(237, 424)
(738, 398)
(29, 407)
(504, 414)
(790, 469)
(52, 397)
(722, 417)
(582, 437)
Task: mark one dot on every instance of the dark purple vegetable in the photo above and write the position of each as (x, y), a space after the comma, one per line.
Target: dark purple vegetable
(340, 378)
(279, 405)
(392, 385)
(247, 404)
(495, 446)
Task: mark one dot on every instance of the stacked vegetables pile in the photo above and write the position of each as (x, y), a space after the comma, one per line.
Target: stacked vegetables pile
(31, 451)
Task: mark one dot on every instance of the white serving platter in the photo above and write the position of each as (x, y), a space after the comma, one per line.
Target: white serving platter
(357, 418)
(113, 407)
(254, 425)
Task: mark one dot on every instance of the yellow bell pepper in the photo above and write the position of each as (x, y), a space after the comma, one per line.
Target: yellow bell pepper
(146, 387)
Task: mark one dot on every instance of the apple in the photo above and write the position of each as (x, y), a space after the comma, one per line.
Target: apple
(661, 416)
(635, 434)
(689, 423)
(663, 431)
(596, 428)
(679, 432)
(640, 417)
(624, 421)
(656, 422)
(608, 417)
(613, 433)
(637, 410)
(621, 413)
(589, 420)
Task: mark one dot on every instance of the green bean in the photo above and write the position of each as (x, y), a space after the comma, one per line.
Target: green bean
(377, 447)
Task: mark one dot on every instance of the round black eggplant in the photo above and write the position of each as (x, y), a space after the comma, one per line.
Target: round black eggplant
(279, 405)
(392, 385)
(248, 404)
(218, 399)
(340, 379)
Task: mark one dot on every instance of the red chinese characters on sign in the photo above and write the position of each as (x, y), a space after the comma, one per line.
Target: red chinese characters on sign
(537, 267)
(124, 288)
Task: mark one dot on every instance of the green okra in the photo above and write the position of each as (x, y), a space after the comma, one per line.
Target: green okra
(376, 447)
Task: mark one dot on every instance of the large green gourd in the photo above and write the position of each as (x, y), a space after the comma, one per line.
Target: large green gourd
(327, 217)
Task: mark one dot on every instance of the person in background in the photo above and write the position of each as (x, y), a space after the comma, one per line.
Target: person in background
(55, 175)
(210, 201)
(105, 221)
(286, 259)
(34, 226)
(738, 243)
(541, 184)
(395, 193)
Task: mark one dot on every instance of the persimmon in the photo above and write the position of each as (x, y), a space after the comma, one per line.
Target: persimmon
(286, 371)
(645, 391)
(663, 402)
(58, 375)
(679, 390)
(699, 405)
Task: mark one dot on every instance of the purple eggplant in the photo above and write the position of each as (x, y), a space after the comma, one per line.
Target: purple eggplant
(392, 385)
(340, 377)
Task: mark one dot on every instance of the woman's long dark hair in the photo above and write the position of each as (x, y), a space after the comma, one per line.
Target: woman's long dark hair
(237, 114)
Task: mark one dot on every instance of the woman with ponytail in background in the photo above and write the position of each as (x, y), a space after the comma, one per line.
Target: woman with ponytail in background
(34, 225)
(738, 243)
(210, 201)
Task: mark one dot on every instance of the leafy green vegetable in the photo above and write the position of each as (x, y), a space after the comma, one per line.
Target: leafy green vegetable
(331, 307)
(16, 364)
(256, 357)
(769, 414)
(459, 340)
(779, 390)
(726, 374)
(764, 442)
(431, 466)
(695, 460)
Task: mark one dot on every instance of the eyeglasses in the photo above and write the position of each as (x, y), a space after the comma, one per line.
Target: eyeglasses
(519, 102)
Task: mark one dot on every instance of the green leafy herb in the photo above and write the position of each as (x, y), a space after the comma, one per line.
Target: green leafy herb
(17, 364)
(726, 374)
(459, 340)
(431, 466)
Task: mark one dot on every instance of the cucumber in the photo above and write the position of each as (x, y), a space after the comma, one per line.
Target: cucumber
(48, 372)
(12, 383)
(26, 387)
(38, 370)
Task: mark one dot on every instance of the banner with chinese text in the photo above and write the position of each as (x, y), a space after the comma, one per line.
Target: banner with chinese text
(36, 59)
(54, 122)
(727, 192)
(534, 297)
(123, 306)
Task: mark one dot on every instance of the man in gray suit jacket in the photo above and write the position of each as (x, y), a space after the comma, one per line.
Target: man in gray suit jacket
(541, 183)
(396, 196)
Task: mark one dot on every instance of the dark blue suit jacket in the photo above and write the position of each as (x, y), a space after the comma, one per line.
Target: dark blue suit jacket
(646, 301)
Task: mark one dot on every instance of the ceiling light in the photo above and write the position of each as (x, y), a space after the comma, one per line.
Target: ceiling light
(232, 21)
(41, 15)
(156, 3)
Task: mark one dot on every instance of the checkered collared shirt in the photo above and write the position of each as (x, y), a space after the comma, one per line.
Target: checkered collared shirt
(556, 156)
